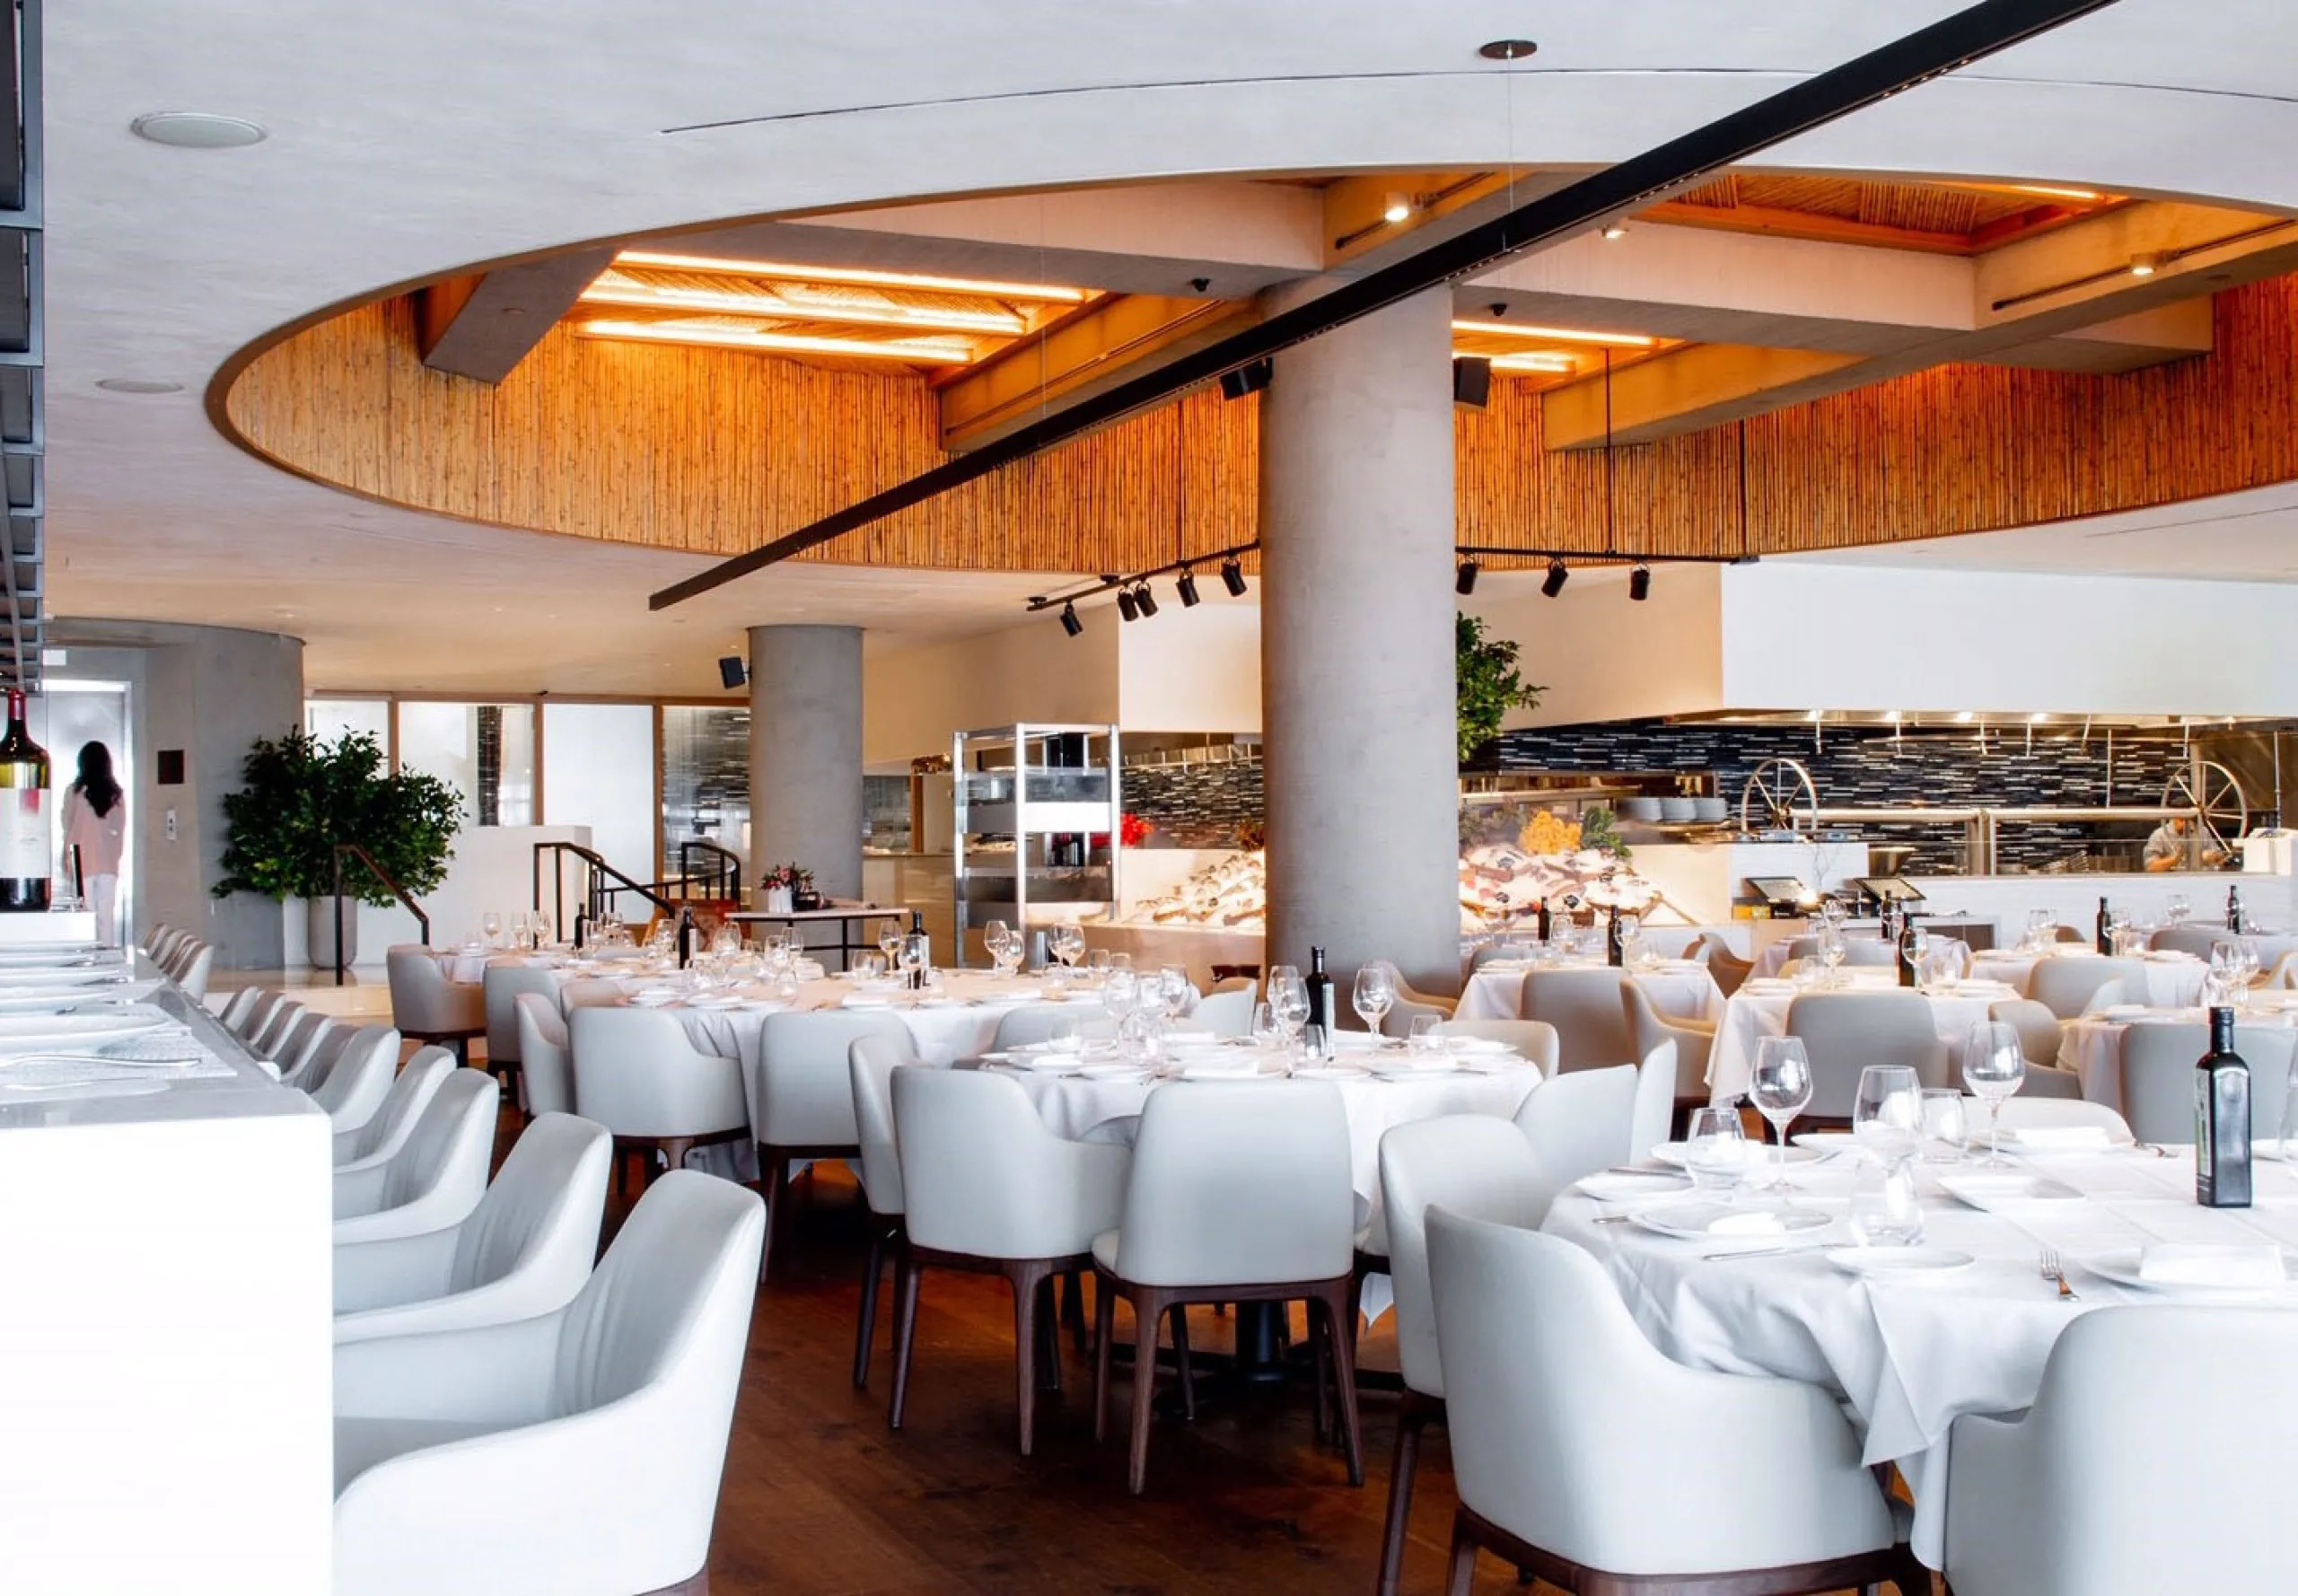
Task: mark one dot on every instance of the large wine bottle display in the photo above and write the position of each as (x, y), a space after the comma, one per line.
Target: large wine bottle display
(27, 853)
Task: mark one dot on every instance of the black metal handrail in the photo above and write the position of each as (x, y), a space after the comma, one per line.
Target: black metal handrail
(596, 891)
(722, 877)
(422, 920)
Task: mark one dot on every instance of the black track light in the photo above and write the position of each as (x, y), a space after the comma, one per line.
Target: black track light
(1069, 621)
(1233, 577)
(1145, 601)
(1465, 583)
(1639, 583)
(1126, 606)
(1553, 582)
(1186, 587)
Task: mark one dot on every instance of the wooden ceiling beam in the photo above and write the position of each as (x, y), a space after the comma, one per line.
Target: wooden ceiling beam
(482, 327)
(1687, 389)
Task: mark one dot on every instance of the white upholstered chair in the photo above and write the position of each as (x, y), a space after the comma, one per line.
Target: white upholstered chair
(987, 1188)
(2023, 1113)
(279, 1030)
(1398, 1021)
(234, 1016)
(870, 1062)
(499, 989)
(2153, 1459)
(192, 973)
(1580, 1122)
(2067, 985)
(589, 993)
(1536, 1039)
(2187, 938)
(2158, 1078)
(637, 1074)
(546, 1058)
(1843, 1032)
(526, 1249)
(1728, 967)
(1471, 1163)
(1652, 1115)
(576, 1453)
(1239, 1192)
(1227, 1013)
(1648, 1028)
(437, 1176)
(1563, 1416)
(360, 1079)
(801, 1094)
(428, 1007)
(1030, 1024)
(1408, 992)
(308, 1055)
(1584, 1007)
(387, 1128)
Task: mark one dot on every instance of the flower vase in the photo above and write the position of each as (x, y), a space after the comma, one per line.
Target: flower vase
(776, 900)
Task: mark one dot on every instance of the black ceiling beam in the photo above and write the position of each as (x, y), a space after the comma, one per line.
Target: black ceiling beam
(1951, 42)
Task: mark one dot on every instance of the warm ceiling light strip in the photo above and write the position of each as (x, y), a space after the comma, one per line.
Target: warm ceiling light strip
(1532, 362)
(2051, 191)
(1556, 335)
(665, 297)
(942, 352)
(1044, 292)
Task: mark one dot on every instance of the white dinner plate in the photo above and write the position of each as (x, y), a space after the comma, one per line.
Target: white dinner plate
(1704, 1220)
(1673, 1153)
(1330, 1072)
(1825, 1142)
(2122, 1267)
(1224, 1069)
(1990, 1190)
(1616, 1187)
(1897, 1260)
(651, 1000)
(1408, 1070)
(18, 1028)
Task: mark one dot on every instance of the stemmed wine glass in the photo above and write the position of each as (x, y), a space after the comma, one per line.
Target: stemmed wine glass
(913, 956)
(1173, 989)
(1288, 1002)
(1374, 994)
(543, 930)
(1068, 944)
(1886, 1115)
(491, 926)
(1832, 952)
(889, 935)
(1994, 1067)
(1716, 1152)
(1119, 994)
(1781, 1089)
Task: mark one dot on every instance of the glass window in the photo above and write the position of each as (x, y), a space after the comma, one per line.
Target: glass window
(705, 779)
(485, 751)
(599, 771)
(328, 719)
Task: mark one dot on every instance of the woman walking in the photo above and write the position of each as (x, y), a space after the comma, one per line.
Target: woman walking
(95, 832)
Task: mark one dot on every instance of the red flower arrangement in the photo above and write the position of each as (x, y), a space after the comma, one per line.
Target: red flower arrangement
(1131, 830)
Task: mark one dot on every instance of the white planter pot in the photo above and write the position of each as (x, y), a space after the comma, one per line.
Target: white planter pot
(319, 930)
(774, 901)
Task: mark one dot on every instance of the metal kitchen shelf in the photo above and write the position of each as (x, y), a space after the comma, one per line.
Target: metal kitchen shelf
(1004, 789)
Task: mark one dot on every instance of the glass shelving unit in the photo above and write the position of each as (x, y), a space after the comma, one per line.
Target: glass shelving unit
(1034, 841)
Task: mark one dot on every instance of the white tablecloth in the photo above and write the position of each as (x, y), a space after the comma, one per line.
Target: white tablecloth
(1749, 1015)
(467, 965)
(2092, 1046)
(1907, 1355)
(1679, 989)
(2172, 981)
(964, 1025)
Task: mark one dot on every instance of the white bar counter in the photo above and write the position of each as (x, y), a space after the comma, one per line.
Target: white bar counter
(166, 1337)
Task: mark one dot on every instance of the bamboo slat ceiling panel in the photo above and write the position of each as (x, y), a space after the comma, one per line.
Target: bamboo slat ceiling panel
(716, 451)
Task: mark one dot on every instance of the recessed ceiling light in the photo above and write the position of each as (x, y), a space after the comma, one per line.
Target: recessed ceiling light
(137, 385)
(197, 131)
(1616, 231)
(1506, 49)
(2144, 266)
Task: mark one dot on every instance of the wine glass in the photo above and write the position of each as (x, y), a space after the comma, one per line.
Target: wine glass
(544, 930)
(1427, 1034)
(1716, 1152)
(1119, 994)
(522, 932)
(1886, 1207)
(914, 956)
(1374, 994)
(1266, 1033)
(1288, 1000)
(1994, 1067)
(1069, 945)
(2177, 911)
(889, 935)
(1781, 1088)
(1173, 989)
(1886, 1115)
(491, 926)
(1831, 952)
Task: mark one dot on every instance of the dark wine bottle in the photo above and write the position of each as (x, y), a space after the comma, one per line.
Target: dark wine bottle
(27, 856)
(2103, 935)
(686, 937)
(2233, 894)
(1615, 949)
(1908, 975)
(1317, 1033)
(582, 923)
(1545, 924)
(2222, 1119)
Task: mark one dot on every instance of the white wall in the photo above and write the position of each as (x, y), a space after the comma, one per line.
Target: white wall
(1806, 635)
(597, 772)
(493, 868)
(913, 699)
(1603, 657)
(1194, 670)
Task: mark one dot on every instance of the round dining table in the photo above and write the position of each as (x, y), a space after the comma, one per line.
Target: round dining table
(1679, 988)
(1759, 1008)
(1909, 1352)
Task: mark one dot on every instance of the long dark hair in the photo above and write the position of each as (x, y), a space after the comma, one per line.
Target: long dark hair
(96, 782)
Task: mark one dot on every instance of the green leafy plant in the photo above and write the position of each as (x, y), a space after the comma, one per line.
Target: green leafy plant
(1489, 684)
(1599, 831)
(300, 796)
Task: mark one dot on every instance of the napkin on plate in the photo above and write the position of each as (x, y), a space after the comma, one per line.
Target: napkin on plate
(2059, 1138)
(1751, 1221)
(2228, 1264)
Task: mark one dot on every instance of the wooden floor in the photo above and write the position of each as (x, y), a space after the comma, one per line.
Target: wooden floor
(822, 1498)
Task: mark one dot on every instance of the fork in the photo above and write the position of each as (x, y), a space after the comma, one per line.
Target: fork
(2055, 1271)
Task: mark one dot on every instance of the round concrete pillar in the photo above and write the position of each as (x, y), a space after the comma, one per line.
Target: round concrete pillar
(806, 753)
(1356, 526)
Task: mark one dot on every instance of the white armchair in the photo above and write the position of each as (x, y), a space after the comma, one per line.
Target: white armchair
(1648, 1028)
(192, 974)
(578, 1453)
(2152, 1460)
(2067, 984)
(234, 1016)
(1239, 1193)
(1030, 1024)
(305, 1057)
(360, 1079)
(386, 1133)
(1580, 1122)
(1471, 1164)
(435, 1179)
(546, 1062)
(526, 1249)
(429, 1007)
(636, 1073)
(987, 1188)
(500, 988)
(1536, 1039)
(1563, 1416)
(871, 1062)
(1584, 1007)
(802, 1101)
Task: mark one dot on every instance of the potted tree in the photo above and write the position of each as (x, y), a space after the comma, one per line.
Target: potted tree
(301, 797)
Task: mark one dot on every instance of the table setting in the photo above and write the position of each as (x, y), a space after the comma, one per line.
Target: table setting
(1679, 989)
(1758, 1009)
(85, 1021)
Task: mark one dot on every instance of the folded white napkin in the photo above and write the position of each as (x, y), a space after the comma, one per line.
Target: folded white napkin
(2059, 1138)
(1751, 1221)
(2221, 1263)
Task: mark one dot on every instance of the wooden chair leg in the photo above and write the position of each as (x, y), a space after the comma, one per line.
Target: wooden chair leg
(1072, 1308)
(1412, 1418)
(1025, 1280)
(906, 1269)
(1178, 1318)
(1319, 1379)
(1104, 1332)
(774, 1184)
(1145, 1307)
(674, 1150)
(1047, 1351)
(865, 1324)
(1343, 1387)
(1460, 1576)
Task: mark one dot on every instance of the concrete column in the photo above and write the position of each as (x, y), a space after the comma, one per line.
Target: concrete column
(1356, 519)
(806, 753)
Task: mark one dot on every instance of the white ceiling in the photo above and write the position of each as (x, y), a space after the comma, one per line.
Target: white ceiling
(412, 138)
